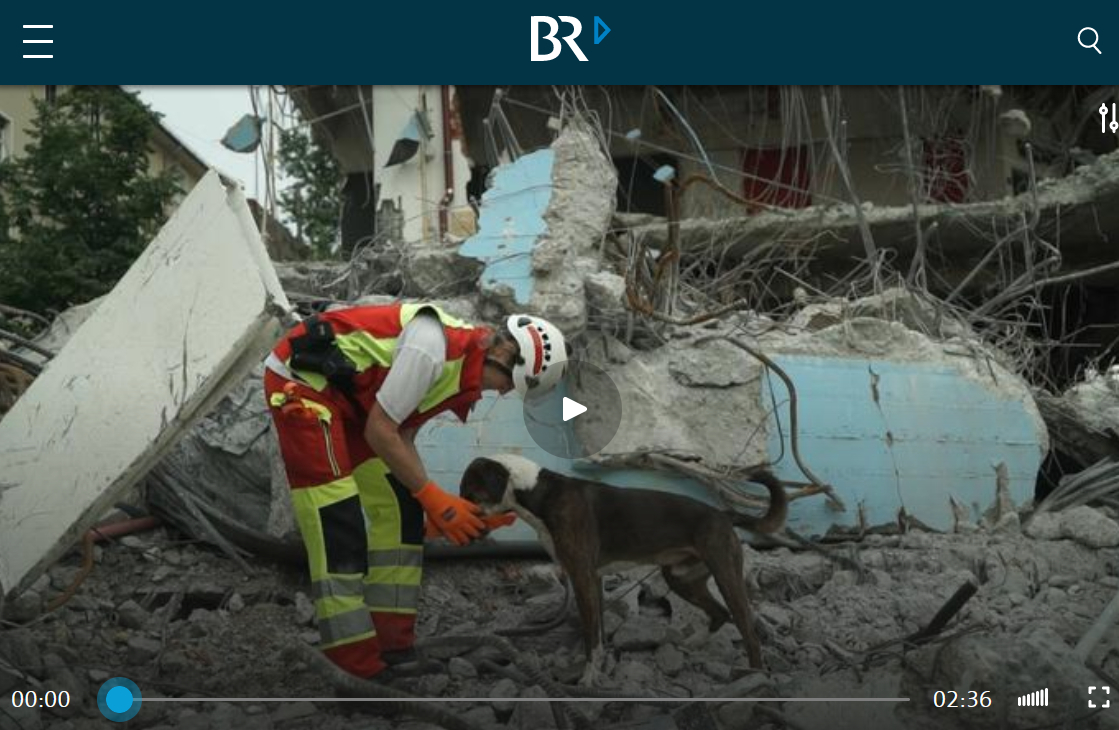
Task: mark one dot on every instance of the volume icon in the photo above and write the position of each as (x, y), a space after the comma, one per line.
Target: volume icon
(1035, 699)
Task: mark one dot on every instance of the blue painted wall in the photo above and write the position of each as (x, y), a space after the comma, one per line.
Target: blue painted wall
(947, 432)
(511, 221)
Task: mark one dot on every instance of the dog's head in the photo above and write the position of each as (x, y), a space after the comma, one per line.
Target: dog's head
(492, 483)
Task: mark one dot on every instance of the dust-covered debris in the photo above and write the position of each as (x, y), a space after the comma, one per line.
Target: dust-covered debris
(998, 668)
(438, 271)
(605, 297)
(1086, 525)
(1084, 419)
(824, 628)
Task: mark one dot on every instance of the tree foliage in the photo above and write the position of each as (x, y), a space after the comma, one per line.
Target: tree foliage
(313, 200)
(79, 205)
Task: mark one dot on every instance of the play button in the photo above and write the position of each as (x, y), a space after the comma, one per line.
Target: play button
(572, 409)
(579, 417)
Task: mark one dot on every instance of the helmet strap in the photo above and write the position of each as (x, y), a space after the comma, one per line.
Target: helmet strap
(500, 366)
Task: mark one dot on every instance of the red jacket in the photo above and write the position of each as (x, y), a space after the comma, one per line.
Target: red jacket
(367, 337)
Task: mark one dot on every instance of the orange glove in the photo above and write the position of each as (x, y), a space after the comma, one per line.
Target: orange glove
(493, 522)
(453, 516)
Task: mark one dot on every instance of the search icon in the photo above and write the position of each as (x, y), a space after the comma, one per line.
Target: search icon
(1080, 39)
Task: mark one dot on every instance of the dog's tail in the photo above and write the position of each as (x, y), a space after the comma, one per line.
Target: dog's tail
(774, 518)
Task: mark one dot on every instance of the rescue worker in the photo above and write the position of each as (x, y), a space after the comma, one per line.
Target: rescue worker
(348, 389)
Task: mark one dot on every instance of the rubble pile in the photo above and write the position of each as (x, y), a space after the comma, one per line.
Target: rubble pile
(385, 267)
(182, 620)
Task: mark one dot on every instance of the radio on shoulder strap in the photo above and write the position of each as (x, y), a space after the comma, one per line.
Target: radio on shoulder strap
(317, 351)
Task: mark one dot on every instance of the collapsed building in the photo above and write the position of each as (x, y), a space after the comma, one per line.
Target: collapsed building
(766, 198)
(924, 267)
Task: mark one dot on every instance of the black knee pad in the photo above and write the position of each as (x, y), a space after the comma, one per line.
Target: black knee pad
(411, 514)
(343, 530)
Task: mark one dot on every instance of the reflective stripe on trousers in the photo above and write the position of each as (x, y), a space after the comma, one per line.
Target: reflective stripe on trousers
(408, 557)
(332, 525)
(337, 588)
(395, 538)
(393, 581)
(359, 565)
(392, 598)
(345, 628)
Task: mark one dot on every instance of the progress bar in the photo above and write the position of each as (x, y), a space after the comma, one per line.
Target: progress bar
(119, 699)
(528, 699)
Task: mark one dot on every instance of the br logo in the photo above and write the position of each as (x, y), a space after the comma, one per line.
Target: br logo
(600, 31)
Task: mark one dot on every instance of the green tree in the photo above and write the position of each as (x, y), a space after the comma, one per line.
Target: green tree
(79, 205)
(313, 200)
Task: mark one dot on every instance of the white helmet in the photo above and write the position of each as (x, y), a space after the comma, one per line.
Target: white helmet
(543, 354)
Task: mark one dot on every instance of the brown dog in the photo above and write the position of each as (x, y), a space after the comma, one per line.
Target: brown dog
(591, 529)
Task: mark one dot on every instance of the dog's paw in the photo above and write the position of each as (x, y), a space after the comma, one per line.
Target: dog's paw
(594, 674)
(592, 677)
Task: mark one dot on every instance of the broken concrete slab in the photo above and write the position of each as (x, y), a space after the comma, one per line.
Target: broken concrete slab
(1097, 396)
(878, 403)
(669, 659)
(504, 690)
(578, 216)
(20, 647)
(543, 219)
(142, 650)
(196, 310)
(1083, 206)
(1084, 420)
(438, 271)
(1077, 432)
(672, 402)
(606, 293)
(131, 615)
